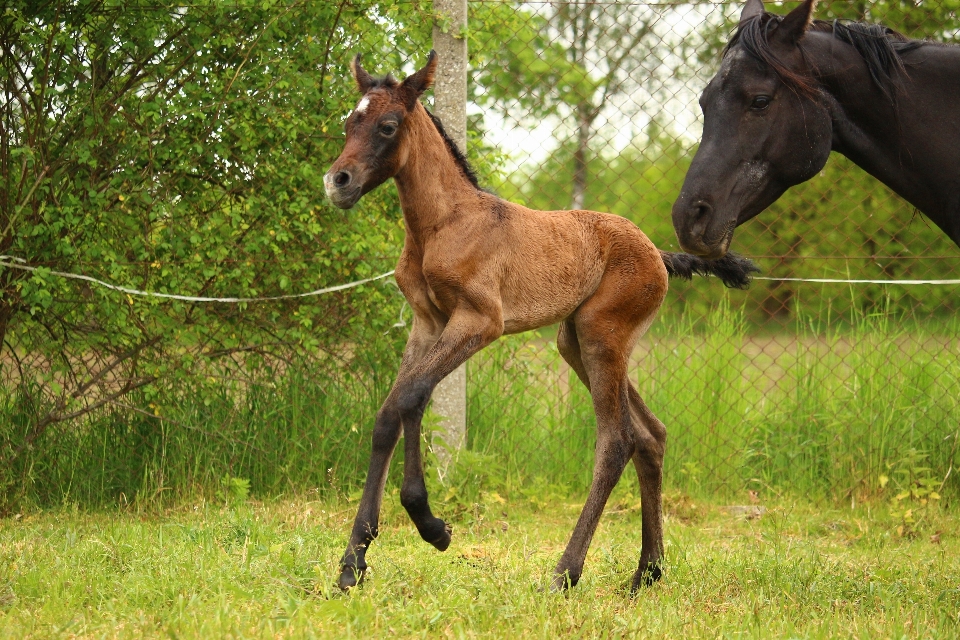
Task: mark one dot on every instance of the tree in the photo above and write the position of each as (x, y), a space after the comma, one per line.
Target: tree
(571, 61)
(181, 151)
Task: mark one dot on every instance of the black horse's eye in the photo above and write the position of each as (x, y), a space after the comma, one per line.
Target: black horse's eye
(760, 103)
(388, 128)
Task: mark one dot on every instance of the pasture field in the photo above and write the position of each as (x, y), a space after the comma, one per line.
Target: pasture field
(244, 569)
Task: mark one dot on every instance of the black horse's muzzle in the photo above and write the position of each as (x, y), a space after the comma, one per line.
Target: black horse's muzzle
(698, 230)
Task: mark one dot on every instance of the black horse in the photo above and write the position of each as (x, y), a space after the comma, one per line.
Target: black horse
(790, 90)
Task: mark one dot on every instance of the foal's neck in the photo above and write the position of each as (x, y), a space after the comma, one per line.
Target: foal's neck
(433, 187)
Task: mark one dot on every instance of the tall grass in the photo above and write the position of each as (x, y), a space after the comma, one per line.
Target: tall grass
(291, 430)
(837, 413)
(827, 412)
(861, 404)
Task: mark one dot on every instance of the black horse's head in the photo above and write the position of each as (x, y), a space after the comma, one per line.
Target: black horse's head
(765, 130)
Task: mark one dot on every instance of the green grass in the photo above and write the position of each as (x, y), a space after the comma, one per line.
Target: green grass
(266, 570)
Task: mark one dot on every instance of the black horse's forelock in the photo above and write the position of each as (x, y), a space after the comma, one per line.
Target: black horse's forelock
(752, 35)
(879, 46)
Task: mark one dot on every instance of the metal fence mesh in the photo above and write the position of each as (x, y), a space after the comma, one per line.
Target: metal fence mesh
(835, 386)
(839, 389)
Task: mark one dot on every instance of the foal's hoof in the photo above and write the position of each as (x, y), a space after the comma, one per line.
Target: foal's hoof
(350, 577)
(439, 535)
(646, 576)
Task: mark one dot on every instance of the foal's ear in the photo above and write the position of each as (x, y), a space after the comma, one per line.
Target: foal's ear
(752, 9)
(413, 86)
(364, 80)
(795, 24)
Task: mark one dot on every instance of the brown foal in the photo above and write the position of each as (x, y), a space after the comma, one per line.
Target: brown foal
(475, 267)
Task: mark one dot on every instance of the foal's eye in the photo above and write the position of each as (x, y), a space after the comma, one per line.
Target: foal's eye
(760, 103)
(388, 128)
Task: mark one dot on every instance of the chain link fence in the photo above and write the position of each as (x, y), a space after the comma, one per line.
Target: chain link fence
(182, 150)
(828, 387)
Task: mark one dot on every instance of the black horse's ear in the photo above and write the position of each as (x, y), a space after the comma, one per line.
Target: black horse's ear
(415, 85)
(364, 80)
(795, 24)
(752, 9)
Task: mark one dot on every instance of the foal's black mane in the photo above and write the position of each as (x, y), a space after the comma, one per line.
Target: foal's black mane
(460, 159)
(879, 46)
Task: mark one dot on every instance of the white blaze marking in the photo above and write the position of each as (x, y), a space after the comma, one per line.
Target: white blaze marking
(363, 105)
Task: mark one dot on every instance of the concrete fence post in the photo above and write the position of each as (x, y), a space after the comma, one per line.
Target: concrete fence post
(450, 105)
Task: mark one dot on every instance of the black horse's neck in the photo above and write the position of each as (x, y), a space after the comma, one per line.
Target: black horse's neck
(905, 131)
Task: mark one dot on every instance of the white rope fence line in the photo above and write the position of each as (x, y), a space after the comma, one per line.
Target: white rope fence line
(838, 281)
(20, 263)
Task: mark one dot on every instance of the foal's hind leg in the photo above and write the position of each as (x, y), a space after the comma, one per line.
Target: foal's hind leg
(648, 459)
(650, 439)
(613, 450)
(597, 347)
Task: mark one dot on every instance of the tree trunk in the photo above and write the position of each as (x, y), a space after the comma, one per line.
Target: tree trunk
(584, 126)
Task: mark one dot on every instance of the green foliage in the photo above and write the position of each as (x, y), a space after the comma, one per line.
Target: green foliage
(181, 152)
(520, 67)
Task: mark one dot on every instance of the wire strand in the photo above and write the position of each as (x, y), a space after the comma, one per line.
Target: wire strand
(20, 263)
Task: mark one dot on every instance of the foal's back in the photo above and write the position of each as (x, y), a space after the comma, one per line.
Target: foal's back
(547, 263)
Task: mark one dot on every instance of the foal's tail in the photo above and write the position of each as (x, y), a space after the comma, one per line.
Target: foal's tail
(734, 270)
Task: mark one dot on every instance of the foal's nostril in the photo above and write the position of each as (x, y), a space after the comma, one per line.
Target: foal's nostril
(342, 179)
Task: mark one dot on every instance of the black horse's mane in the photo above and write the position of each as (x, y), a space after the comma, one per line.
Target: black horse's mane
(880, 47)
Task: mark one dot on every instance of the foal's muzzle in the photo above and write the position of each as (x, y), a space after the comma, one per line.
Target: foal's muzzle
(342, 188)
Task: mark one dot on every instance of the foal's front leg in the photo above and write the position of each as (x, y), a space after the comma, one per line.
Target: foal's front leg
(386, 433)
(467, 332)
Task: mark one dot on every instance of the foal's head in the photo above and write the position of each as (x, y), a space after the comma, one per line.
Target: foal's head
(376, 146)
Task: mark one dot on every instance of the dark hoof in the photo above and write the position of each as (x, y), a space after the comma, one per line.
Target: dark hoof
(563, 582)
(646, 576)
(438, 534)
(350, 577)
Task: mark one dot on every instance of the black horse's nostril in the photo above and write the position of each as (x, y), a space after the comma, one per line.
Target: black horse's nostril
(342, 179)
(700, 209)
